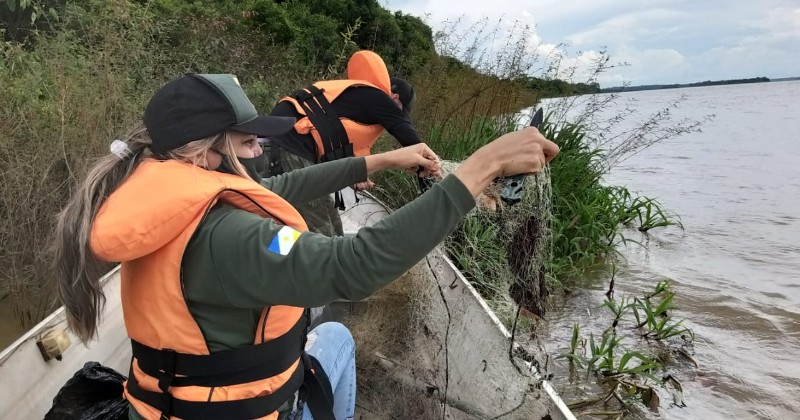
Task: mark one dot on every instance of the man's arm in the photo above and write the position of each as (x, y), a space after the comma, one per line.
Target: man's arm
(405, 133)
(394, 119)
(372, 106)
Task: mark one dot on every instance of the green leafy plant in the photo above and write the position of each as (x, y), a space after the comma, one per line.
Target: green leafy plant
(577, 341)
(625, 362)
(654, 318)
(618, 309)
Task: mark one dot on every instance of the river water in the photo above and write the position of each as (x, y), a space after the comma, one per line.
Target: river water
(735, 267)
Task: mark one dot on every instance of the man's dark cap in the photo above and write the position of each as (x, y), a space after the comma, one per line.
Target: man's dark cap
(406, 92)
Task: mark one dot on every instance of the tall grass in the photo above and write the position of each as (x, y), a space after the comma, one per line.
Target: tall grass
(461, 110)
(590, 217)
(82, 79)
(62, 102)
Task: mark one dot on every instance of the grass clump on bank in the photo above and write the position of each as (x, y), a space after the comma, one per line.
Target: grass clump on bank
(589, 217)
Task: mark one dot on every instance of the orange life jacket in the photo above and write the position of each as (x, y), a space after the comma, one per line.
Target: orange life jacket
(146, 224)
(365, 68)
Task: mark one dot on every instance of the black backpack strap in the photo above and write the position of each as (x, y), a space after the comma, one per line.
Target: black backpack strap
(318, 390)
(335, 141)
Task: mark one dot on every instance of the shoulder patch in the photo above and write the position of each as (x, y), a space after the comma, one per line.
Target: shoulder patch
(283, 241)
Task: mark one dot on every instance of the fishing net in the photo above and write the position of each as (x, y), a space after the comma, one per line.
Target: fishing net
(509, 246)
(429, 347)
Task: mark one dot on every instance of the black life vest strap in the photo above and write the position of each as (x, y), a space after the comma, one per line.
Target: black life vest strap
(229, 367)
(338, 200)
(247, 409)
(335, 141)
(237, 366)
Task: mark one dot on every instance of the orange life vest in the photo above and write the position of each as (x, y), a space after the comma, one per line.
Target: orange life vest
(146, 224)
(365, 68)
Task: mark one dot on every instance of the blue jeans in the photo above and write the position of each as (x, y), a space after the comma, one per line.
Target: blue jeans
(332, 344)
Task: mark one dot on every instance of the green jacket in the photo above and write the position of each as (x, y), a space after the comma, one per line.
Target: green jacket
(230, 274)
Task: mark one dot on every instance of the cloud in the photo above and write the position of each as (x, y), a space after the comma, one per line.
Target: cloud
(662, 64)
(627, 28)
(663, 41)
(781, 24)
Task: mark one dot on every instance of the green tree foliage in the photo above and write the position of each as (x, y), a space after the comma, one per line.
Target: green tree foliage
(312, 30)
(404, 42)
(415, 47)
(20, 18)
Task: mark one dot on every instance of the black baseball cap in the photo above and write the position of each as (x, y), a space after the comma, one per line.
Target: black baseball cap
(196, 106)
(405, 91)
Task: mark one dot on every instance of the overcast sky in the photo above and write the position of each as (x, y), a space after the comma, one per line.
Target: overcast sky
(664, 41)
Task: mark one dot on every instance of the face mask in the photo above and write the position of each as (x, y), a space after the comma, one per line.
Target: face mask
(254, 166)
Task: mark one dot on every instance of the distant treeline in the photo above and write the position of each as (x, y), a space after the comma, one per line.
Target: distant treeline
(785, 79)
(675, 86)
(547, 88)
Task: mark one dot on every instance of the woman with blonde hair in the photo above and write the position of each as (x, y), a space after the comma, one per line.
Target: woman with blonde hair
(217, 270)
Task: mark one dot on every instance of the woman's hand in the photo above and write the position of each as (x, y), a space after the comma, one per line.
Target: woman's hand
(362, 186)
(520, 152)
(409, 157)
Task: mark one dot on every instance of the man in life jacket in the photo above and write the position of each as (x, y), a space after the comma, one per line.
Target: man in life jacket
(338, 119)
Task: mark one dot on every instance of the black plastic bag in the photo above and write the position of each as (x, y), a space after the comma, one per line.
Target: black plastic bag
(93, 393)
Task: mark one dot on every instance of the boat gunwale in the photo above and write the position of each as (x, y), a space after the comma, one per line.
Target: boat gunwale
(57, 317)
